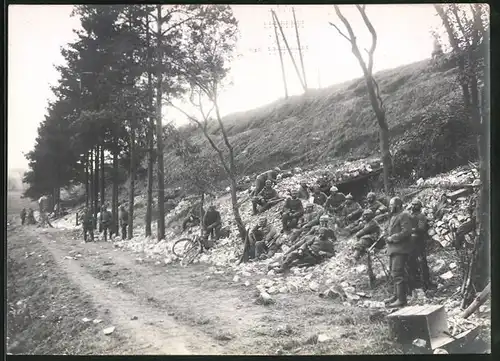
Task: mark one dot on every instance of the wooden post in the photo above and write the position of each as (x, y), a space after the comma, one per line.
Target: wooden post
(289, 51)
(480, 299)
(281, 56)
(300, 49)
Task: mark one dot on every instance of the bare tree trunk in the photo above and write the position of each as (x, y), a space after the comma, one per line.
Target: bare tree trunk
(159, 133)
(149, 135)
(202, 204)
(114, 195)
(87, 180)
(232, 176)
(103, 181)
(131, 194)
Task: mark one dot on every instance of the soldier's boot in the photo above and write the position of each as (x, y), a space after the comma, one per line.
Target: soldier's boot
(393, 298)
(401, 296)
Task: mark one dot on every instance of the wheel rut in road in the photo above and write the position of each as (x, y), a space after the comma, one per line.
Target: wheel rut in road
(153, 331)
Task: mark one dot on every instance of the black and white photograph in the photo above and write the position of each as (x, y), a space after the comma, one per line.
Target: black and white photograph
(254, 179)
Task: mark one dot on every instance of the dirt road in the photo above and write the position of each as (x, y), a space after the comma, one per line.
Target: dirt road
(159, 309)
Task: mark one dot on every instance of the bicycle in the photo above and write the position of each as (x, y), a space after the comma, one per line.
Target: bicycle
(188, 249)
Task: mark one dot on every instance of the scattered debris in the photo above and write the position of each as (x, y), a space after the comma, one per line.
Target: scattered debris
(265, 299)
(323, 338)
(96, 321)
(419, 343)
(440, 351)
(85, 319)
(109, 330)
(133, 318)
(448, 275)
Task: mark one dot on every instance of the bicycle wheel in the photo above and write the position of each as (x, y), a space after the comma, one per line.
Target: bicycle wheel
(180, 248)
(191, 253)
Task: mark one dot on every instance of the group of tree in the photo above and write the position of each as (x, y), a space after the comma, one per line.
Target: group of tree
(130, 60)
(127, 62)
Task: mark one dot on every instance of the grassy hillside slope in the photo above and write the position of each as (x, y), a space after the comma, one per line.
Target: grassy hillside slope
(333, 122)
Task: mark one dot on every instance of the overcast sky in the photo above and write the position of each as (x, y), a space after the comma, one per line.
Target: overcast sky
(37, 32)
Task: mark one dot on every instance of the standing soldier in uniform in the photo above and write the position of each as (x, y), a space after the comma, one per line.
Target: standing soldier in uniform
(106, 218)
(335, 201)
(261, 181)
(88, 224)
(123, 221)
(23, 216)
(399, 248)
(212, 223)
(419, 236)
(293, 210)
(31, 217)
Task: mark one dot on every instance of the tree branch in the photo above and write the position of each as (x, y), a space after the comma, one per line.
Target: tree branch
(370, 27)
(340, 32)
(209, 138)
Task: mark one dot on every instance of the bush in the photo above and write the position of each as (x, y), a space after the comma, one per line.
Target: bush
(442, 140)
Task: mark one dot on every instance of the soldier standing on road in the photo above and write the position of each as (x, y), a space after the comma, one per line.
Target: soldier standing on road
(419, 236)
(106, 218)
(88, 224)
(399, 248)
(212, 223)
(123, 221)
(23, 216)
(31, 217)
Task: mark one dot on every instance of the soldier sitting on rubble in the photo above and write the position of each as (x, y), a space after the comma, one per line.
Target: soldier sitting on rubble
(263, 239)
(293, 210)
(324, 221)
(212, 223)
(468, 226)
(351, 211)
(265, 198)
(313, 251)
(196, 213)
(377, 207)
(306, 222)
(324, 183)
(440, 208)
(304, 191)
(368, 232)
(319, 197)
(335, 201)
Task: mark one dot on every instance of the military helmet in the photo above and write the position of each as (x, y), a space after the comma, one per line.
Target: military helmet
(371, 195)
(277, 169)
(324, 218)
(279, 177)
(268, 182)
(334, 189)
(309, 206)
(396, 200)
(349, 196)
(416, 202)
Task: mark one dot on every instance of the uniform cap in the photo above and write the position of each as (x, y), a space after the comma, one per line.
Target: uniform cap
(349, 196)
(324, 218)
(334, 189)
(371, 195)
(368, 212)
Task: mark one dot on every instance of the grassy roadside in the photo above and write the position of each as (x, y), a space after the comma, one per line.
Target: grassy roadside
(45, 310)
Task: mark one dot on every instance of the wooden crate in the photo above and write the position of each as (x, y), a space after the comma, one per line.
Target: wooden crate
(428, 322)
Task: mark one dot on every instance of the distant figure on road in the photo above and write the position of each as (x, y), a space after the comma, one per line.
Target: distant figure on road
(44, 207)
(212, 223)
(23, 216)
(88, 224)
(123, 221)
(106, 217)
